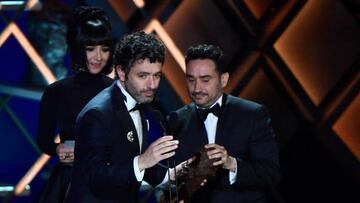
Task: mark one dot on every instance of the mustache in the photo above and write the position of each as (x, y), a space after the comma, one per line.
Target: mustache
(149, 90)
(199, 93)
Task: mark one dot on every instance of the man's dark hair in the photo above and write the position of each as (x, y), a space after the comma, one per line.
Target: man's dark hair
(136, 46)
(206, 51)
(88, 27)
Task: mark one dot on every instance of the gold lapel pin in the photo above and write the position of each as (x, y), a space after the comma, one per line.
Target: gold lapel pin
(130, 136)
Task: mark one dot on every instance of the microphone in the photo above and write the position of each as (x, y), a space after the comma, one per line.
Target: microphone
(171, 122)
(167, 129)
(157, 115)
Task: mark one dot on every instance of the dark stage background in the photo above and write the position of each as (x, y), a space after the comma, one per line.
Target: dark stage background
(299, 58)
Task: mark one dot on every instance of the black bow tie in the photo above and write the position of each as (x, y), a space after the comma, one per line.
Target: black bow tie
(203, 113)
(136, 107)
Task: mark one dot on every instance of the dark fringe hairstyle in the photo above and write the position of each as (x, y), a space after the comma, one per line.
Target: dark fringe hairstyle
(88, 26)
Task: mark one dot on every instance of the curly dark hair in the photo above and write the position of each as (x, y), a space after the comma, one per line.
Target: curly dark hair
(88, 26)
(207, 51)
(135, 46)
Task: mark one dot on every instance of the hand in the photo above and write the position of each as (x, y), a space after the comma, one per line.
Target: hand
(65, 153)
(159, 150)
(181, 168)
(219, 152)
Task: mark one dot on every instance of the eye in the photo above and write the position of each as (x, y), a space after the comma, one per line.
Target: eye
(105, 49)
(157, 76)
(206, 79)
(89, 48)
(142, 75)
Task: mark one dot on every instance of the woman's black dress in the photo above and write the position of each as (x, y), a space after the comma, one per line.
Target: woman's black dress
(59, 107)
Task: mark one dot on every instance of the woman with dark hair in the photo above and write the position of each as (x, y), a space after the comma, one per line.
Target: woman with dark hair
(90, 44)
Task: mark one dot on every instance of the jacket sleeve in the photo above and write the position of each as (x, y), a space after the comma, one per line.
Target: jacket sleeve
(92, 153)
(262, 167)
(47, 122)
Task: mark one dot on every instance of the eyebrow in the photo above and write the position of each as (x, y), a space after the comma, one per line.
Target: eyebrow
(202, 76)
(148, 73)
(143, 72)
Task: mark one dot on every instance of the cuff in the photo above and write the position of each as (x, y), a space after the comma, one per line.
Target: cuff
(138, 174)
(232, 175)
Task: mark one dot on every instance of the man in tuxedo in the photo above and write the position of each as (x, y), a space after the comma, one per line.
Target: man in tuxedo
(112, 155)
(235, 132)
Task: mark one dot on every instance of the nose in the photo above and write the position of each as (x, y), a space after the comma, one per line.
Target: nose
(152, 83)
(197, 87)
(98, 54)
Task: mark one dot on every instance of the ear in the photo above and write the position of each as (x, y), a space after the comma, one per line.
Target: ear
(224, 79)
(120, 73)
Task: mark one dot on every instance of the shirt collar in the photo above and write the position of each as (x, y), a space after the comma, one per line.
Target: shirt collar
(130, 101)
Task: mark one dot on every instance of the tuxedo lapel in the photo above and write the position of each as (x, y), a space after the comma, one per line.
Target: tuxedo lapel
(199, 128)
(145, 129)
(123, 119)
(220, 126)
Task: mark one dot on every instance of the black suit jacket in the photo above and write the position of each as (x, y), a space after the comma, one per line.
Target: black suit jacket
(244, 130)
(103, 167)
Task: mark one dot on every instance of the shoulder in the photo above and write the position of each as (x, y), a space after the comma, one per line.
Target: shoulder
(251, 109)
(107, 80)
(58, 88)
(242, 104)
(60, 85)
(186, 109)
(101, 102)
(182, 114)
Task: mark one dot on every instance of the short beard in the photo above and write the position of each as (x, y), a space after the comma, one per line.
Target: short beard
(137, 95)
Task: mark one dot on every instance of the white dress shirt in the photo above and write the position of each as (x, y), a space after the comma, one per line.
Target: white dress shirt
(211, 126)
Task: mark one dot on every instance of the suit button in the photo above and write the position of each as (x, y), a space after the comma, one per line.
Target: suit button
(108, 163)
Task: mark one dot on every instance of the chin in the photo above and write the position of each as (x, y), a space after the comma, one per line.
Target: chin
(94, 72)
(146, 100)
(200, 103)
